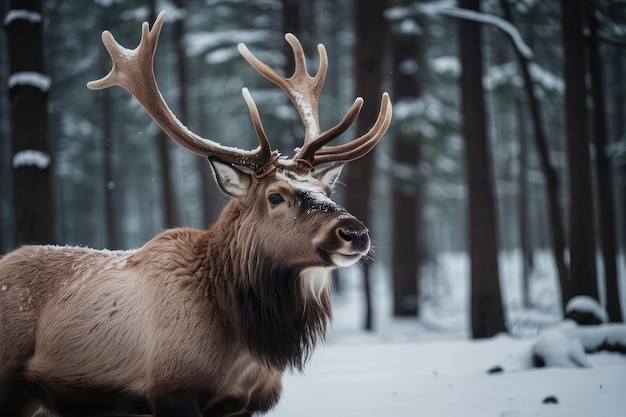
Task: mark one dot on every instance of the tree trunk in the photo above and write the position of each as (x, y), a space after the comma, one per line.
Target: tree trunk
(525, 249)
(406, 193)
(486, 304)
(604, 174)
(555, 213)
(370, 34)
(582, 237)
(28, 92)
(618, 126)
(7, 222)
(111, 236)
(170, 209)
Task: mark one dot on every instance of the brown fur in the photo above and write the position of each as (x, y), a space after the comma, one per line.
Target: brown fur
(204, 321)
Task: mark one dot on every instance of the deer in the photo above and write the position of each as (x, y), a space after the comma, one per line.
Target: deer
(194, 322)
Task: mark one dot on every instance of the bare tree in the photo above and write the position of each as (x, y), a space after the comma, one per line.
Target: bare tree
(581, 213)
(604, 174)
(555, 212)
(170, 209)
(370, 35)
(406, 192)
(487, 314)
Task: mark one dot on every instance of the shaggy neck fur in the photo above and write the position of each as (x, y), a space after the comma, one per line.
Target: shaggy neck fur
(282, 310)
(282, 318)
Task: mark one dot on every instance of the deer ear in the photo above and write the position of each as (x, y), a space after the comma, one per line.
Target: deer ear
(231, 180)
(329, 175)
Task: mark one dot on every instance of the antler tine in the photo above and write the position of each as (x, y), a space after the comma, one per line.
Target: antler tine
(308, 152)
(134, 71)
(357, 148)
(302, 89)
(304, 92)
(256, 122)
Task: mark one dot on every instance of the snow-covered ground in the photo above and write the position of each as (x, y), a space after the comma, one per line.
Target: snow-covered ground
(430, 367)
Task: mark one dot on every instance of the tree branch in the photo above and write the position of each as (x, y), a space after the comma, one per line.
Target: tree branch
(496, 21)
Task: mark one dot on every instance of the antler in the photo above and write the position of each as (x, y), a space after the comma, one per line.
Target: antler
(134, 71)
(304, 92)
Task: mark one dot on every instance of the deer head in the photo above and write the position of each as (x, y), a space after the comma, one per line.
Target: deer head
(283, 185)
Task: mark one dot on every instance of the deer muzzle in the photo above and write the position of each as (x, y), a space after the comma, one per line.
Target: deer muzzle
(343, 242)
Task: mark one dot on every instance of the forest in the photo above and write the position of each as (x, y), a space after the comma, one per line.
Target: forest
(508, 132)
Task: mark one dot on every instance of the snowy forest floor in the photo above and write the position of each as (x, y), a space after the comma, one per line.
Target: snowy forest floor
(430, 367)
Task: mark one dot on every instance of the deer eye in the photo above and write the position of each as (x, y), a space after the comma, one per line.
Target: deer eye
(276, 199)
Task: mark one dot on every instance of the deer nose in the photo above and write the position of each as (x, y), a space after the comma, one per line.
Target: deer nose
(357, 237)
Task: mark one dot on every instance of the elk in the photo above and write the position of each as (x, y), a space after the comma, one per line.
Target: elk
(195, 322)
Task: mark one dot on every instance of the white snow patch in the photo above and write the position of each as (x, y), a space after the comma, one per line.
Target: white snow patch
(447, 65)
(31, 158)
(546, 79)
(201, 42)
(219, 56)
(22, 14)
(426, 366)
(30, 78)
(556, 349)
(586, 304)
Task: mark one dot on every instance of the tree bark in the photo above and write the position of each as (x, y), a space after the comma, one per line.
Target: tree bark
(111, 235)
(526, 252)
(581, 214)
(618, 126)
(370, 35)
(406, 193)
(487, 316)
(604, 174)
(33, 196)
(555, 212)
(170, 209)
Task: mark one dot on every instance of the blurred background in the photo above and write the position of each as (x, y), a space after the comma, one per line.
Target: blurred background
(507, 143)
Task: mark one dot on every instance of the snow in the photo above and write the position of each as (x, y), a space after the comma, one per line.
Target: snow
(430, 367)
(449, 379)
(309, 116)
(556, 349)
(21, 14)
(586, 304)
(30, 78)
(447, 65)
(496, 21)
(31, 158)
(200, 42)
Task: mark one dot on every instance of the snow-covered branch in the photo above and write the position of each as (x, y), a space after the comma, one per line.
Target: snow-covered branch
(31, 158)
(20, 14)
(30, 78)
(496, 21)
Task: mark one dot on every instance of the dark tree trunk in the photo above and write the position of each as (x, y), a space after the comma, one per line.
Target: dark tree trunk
(211, 197)
(582, 236)
(7, 220)
(111, 235)
(604, 174)
(32, 171)
(406, 193)
(525, 248)
(291, 23)
(370, 35)
(618, 125)
(486, 304)
(170, 209)
(298, 19)
(555, 213)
